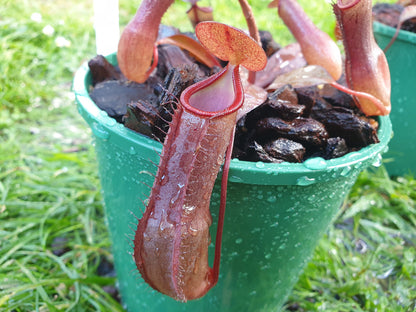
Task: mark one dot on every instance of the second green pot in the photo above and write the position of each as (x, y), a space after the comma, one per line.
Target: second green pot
(402, 63)
(276, 214)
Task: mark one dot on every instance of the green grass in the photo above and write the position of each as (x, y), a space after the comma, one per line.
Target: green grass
(50, 193)
(367, 260)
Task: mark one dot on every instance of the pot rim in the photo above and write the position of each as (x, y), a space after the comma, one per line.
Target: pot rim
(309, 172)
(388, 31)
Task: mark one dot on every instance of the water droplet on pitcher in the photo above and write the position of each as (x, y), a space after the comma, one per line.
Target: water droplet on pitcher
(163, 180)
(345, 172)
(192, 231)
(238, 240)
(99, 131)
(132, 151)
(188, 209)
(272, 199)
(110, 122)
(260, 164)
(165, 225)
(304, 181)
(255, 230)
(315, 163)
(377, 161)
(358, 165)
(235, 179)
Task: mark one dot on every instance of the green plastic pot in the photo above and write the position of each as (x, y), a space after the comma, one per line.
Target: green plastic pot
(402, 62)
(276, 213)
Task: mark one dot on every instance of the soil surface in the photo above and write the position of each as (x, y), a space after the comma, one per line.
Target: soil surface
(292, 124)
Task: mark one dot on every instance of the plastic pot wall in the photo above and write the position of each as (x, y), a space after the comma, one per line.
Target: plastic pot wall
(276, 214)
(402, 62)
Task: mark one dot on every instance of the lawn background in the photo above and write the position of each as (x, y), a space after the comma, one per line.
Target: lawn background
(54, 247)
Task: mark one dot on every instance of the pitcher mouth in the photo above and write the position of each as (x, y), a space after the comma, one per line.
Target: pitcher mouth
(346, 4)
(238, 95)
